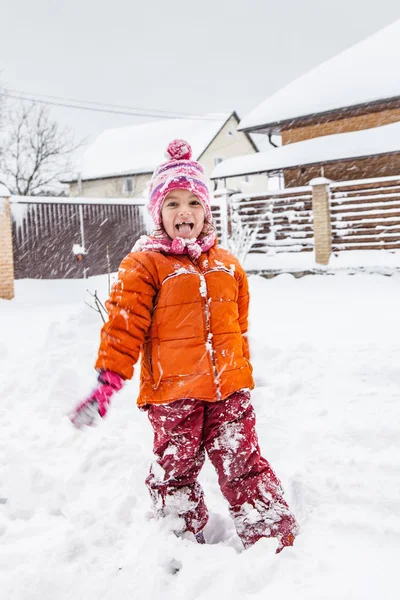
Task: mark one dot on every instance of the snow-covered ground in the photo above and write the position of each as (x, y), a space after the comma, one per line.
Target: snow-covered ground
(74, 511)
(383, 262)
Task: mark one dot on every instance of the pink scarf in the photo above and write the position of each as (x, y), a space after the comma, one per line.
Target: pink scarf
(193, 247)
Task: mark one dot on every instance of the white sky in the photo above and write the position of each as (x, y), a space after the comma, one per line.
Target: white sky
(209, 56)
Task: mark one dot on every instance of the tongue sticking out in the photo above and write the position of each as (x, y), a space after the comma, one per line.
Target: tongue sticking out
(185, 231)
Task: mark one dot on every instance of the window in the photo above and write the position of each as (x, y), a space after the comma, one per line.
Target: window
(129, 185)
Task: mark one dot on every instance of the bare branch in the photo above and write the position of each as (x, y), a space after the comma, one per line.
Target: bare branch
(35, 155)
(100, 308)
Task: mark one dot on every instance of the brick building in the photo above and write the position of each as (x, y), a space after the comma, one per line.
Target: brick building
(355, 92)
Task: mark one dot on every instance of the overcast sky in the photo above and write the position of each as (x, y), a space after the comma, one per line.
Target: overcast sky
(175, 55)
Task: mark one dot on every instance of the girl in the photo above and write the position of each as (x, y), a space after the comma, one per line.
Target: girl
(181, 302)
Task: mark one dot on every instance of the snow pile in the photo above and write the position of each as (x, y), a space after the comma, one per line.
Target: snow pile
(385, 262)
(74, 519)
(372, 63)
(78, 249)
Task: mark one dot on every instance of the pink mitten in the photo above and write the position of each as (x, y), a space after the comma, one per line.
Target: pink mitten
(98, 401)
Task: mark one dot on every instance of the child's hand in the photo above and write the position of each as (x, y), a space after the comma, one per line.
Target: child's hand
(97, 403)
(85, 413)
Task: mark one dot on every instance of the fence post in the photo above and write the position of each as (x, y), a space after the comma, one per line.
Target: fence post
(6, 246)
(322, 220)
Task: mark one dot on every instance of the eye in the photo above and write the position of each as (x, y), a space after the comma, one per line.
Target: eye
(195, 203)
(172, 204)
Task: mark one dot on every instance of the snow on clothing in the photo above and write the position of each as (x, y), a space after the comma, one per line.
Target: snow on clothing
(189, 320)
(183, 432)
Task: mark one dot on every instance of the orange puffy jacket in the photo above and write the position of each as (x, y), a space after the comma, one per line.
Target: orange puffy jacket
(187, 319)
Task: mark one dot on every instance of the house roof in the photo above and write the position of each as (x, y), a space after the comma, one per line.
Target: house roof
(329, 148)
(140, 149)
(364, 73)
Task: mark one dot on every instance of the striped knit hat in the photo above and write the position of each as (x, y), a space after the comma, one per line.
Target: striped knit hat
(178, 173)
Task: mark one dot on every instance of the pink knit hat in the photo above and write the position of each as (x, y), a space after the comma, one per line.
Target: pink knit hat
(178, 173)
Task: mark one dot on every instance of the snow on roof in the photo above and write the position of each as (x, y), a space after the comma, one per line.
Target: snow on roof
(140, 148)
(363, 73)
(355, 144)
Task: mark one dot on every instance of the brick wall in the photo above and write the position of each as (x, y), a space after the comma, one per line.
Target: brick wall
(385, 165)
(6, 251)
(354, 123)
(322, 222)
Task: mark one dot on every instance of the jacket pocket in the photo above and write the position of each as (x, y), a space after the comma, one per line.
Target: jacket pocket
(147, 370)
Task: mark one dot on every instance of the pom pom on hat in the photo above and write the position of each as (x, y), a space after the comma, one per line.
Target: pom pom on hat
(179, 150)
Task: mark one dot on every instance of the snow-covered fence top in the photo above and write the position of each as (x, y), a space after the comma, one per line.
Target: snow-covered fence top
(282, 220)
(77, 200)
(365, 214)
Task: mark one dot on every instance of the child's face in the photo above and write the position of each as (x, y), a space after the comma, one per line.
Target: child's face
(182, 214)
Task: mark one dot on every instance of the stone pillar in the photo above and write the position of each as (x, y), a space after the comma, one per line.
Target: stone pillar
(322, 220)
(6, 247)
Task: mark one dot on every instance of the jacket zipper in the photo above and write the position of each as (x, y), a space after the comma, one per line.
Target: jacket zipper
(209, 344)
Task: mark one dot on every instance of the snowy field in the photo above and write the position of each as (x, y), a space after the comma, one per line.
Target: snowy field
(74, 511)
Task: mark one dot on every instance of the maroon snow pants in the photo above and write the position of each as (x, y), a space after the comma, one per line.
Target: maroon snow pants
(184, 431)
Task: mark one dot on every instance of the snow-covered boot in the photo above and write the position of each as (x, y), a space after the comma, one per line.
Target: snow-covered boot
(287, 530)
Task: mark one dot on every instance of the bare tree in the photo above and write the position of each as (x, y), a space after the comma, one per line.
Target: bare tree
(243, 236)
(36, 151)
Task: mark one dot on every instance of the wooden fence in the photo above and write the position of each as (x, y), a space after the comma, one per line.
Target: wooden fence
(282, 221)
(45, 230)
(365, 215)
